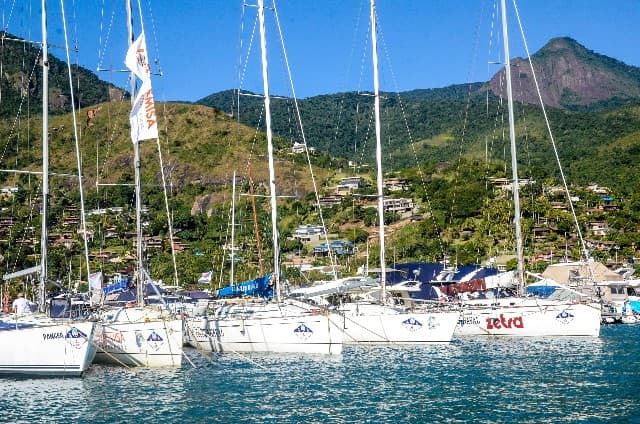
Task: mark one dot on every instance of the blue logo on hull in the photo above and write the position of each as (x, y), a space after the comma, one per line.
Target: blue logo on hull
(412, 324)
(303, 332)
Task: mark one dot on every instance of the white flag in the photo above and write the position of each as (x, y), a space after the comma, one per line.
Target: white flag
(205, 278)
(95, 281)
(137, 60)
(144, 123)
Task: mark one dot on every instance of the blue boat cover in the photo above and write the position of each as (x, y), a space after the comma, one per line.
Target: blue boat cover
(540, 290)
(120, 284)
(257, 287)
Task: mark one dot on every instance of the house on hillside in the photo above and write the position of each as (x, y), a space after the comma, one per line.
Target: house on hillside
(309, 233)
(400, 206)
(349, 184)
(301, 148)
(338, 247)
(599, 228)
(395, 184)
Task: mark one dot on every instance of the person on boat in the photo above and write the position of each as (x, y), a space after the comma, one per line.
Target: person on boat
(21, 305)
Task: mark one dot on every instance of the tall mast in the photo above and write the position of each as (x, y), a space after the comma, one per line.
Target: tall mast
(514, 161)
(376, 92)
(272, 176)
(233, 227)
(255, 220)
(45, 158)
(138, 184)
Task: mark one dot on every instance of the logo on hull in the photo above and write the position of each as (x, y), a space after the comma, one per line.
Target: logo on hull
(303, 332)
(75, 337)
(154, 341)
(412, 324)
(565, 317)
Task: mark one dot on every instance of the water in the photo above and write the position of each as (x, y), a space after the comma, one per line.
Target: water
(473, 379)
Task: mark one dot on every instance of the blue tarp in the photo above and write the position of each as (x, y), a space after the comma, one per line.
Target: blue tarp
(541, 290)
(120, 284)
(427, 272)
(257, 287)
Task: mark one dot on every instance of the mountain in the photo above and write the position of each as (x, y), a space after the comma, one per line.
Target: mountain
(572, 77)
(592, 106)
(22, 78)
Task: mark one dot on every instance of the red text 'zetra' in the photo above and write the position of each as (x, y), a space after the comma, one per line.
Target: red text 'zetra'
(502, 322)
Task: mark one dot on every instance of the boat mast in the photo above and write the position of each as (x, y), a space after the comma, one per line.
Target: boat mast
(514, 161)
(272, 177)
(233, 227)
(255, 220)
(136, 164)
(45, 159)
(376, 90)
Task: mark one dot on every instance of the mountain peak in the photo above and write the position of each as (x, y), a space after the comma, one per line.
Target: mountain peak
(571, 77)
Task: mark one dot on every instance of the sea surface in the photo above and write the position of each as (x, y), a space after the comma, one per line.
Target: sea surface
(559, 380)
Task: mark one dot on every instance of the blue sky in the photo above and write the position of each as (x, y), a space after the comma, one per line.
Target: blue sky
(422, 43)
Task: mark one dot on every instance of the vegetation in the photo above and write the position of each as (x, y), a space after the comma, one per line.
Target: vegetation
(452, 158)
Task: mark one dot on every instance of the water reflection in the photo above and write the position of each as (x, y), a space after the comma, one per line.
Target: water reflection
(471, 379)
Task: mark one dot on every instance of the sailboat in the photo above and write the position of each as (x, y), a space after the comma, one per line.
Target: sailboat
(143, 335)
(37, 344)
(564, 313)
(276, 325)
(372, 319)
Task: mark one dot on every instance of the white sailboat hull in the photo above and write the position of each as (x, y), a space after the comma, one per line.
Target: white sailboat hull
(531, 319)
(375, 324)
(265, 327)
(137, 337)
(49, 349)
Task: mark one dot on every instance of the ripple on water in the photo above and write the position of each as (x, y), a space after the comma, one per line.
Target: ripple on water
(471, 379)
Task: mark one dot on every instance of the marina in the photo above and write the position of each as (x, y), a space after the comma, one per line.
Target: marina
(582, 379)
(472, 320)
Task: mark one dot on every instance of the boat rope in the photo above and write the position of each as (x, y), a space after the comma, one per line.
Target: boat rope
(552, 139)
(206, 355)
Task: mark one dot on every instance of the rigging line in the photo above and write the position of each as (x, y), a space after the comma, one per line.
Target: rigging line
(102, 48)
(5, 23)
(304, 140)
(465, 120)
(169, 220)
(77, 142)
(350, 60)
(412, 144)
(155, 38)
(24, 96)
(553, 142)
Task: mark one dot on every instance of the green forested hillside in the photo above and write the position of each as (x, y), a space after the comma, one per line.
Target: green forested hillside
(22, 81)
(450, 146)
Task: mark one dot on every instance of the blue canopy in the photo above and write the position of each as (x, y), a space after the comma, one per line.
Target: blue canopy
(120, 284)
(257, 287)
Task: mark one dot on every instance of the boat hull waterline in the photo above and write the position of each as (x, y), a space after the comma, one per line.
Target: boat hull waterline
(545, 319)
(265, 328)
(134, 339)
(49, 349)
(374, 324)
